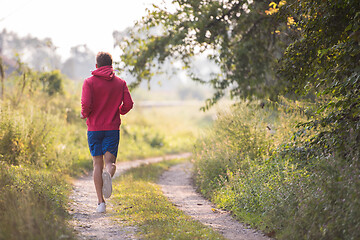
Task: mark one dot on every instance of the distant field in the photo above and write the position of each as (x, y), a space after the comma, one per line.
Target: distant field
(161, 127)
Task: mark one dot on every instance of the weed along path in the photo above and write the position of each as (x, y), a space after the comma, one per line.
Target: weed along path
(91, 225)
(177, 186)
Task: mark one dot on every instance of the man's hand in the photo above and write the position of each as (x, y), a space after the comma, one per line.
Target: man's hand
(81, 116)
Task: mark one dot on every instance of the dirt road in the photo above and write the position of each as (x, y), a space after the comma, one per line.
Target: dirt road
(92, 225)
(177, 186)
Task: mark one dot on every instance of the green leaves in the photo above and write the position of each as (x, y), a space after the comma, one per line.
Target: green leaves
(237, 33)
(52, 82)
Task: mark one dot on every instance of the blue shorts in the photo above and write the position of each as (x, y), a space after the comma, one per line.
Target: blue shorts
(101, 142)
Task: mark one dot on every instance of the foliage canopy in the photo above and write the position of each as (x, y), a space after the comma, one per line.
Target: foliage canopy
(291, 48)
(324, 61)
(239, 36)
(246, 39)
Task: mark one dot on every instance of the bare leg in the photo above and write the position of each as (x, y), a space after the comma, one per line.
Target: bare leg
(110, 163)
(98, 168)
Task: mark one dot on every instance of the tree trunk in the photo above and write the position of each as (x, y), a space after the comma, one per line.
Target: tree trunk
(2, 76)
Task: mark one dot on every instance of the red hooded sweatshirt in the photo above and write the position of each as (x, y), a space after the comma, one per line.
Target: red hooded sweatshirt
(104, 97)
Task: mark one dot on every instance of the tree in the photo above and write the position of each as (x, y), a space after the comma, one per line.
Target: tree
(2, 76)
(325, 60)
(52, 82)
(237, 35)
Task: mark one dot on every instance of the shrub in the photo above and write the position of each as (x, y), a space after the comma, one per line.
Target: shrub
(32, 204)
(40, 143)
(293, 185)
(239, 139)
(26, 139)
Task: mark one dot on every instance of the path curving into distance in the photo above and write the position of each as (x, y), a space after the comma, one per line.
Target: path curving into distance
(176, 185)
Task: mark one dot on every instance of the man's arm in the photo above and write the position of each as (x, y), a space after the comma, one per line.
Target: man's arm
(127, 102)
(86, 100)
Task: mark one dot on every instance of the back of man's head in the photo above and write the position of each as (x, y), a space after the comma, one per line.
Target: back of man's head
(103, 59)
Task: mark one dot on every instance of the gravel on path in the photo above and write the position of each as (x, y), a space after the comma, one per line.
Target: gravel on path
(178, 186)
(89, 224)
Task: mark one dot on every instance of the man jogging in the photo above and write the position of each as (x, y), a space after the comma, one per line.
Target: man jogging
(104, 97)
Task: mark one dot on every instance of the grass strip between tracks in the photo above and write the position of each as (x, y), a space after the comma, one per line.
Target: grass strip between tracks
(139, 201)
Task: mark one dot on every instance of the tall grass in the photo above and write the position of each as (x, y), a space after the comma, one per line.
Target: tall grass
(33, 190)
(257, 164)
(32, 204)
(251, 163)
(39, 146)
(241, 138)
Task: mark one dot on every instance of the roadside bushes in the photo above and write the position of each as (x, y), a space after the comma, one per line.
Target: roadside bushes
(253, 164)
(30, 136)
(32, 204)
(25, 139)
(230, 146)
(40, 145)
(240, 140)
(33, 190)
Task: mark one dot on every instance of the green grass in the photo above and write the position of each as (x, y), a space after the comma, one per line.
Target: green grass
(42, 142)
(139, 201)
(252, 164)
(236, 168)
(32, 204)
(156, 131)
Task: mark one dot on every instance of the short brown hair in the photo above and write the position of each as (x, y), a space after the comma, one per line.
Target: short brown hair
(103, 59)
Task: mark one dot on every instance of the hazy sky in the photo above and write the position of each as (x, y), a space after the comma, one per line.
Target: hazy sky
(72, 22)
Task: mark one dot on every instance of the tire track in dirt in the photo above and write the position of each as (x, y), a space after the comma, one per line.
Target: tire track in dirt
(178, 186)
(89, 224)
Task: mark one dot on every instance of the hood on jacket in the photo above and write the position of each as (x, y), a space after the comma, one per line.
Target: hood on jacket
(104, 72)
